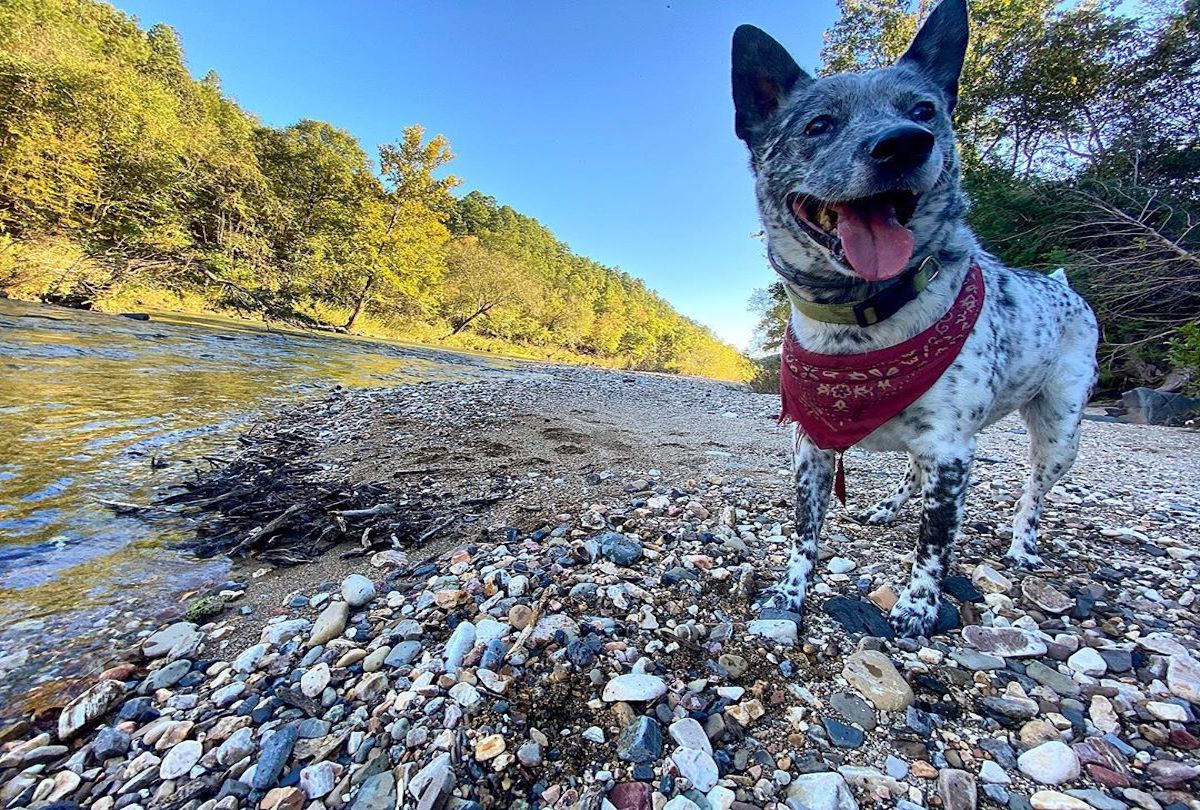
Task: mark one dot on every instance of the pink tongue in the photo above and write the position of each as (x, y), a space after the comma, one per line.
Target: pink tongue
(876, 245)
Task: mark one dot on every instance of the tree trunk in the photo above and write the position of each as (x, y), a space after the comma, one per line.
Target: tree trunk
(360, 302)
(463, 325)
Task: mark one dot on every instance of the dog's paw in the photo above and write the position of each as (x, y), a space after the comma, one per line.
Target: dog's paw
(914, 617)
(780, 599)
(1023, 560)
(877, 515)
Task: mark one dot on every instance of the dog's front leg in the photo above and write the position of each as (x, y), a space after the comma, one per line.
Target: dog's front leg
(944, 488)
(813, 470)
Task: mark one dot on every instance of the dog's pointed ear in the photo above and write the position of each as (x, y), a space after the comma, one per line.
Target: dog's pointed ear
(763, 73)
(940, 47)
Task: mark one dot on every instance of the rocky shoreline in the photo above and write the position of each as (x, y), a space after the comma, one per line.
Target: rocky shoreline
(578, 632)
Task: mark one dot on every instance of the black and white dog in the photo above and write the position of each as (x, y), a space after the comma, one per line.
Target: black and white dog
(858, 186)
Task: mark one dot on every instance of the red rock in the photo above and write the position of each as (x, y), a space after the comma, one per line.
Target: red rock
(1097, 751)
(630, 796)
(120, 672)
(283, 798)
(1107, 777)
(1181, 738)
(1171, 774)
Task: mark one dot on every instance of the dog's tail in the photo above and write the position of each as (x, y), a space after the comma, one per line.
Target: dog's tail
(1060, 275)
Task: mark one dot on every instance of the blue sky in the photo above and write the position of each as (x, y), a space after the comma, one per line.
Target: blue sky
(610, 122)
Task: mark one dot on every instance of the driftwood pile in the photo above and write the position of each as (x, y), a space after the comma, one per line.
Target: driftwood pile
(274, 502)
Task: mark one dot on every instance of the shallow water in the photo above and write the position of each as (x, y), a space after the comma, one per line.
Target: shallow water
(98, 407)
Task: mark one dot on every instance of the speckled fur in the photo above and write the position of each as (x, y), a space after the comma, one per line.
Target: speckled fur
(1032, 348)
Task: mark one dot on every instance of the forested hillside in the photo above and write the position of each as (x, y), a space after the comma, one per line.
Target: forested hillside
(1080, 133)
(121, 176)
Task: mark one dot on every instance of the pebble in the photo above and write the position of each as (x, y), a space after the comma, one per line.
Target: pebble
(635, 687)
(873, 674)
(357, 590)
(330, 624)
(1050, 763)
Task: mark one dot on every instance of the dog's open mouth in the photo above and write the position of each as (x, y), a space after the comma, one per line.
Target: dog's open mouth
(868, 234)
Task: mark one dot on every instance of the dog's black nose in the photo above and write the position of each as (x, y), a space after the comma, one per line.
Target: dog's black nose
(903, 147)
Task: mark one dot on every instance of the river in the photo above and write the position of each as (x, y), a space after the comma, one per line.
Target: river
(97, 408)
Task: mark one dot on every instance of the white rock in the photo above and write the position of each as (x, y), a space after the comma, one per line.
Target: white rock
(840, 565)
(1087, 662)
(1050, 763)
(181, 636)
(1167, 711)
(990, 771)
(721, 798)
(357, 590)
(681, 803)
(280, 632)
(488, 629)
(180, 759)
(634, 687)
(458, 645)
(465, 695)
(989, 580)
(248, 659)
(778, 630)
(697, 767)
(89, 707)
(237, 747)
(688, 733)
(319, 779)
(314, 681)
(1183, 678)
(822, 791)
(1053, 800)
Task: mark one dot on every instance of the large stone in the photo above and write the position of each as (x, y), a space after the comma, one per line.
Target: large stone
(1183, 678)
(690, 734)
(635, 687)
(276, 751)
(180, 637)
(314, 681)
(957, 789)
(378, 792)
(989, 580)
(1006, 642)
(357, 590)
(437, 772)
(1087, 662)
(619, 548)
(781, 631)
(1145, 406)
(697, 766)
(238, 746)
(1053, 800)
(640, 741)
(1050, 763)
(180, 759)
(872, 673)
(822, 791)
(330, 624)
(630, 796)
(1046, 596)
(458, 645)
(89, 707)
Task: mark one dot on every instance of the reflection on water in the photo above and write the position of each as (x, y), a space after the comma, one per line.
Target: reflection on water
(95, 407)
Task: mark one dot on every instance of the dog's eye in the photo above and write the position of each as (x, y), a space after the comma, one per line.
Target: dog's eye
(923, 111)
(818, 126)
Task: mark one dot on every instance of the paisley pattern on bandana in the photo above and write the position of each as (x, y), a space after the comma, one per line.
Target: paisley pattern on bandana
(840, 399)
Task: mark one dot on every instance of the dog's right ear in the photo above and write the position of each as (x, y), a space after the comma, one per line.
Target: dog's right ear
(763, 73)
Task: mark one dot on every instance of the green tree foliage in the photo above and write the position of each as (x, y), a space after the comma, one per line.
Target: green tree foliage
(119, 170)
(1080, 132)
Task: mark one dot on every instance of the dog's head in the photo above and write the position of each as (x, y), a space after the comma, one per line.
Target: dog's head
(856, 174)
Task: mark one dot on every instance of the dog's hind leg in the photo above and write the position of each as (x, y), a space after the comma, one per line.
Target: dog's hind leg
(886, 510)
(813, 469)
(1052, 418)
(944, 481)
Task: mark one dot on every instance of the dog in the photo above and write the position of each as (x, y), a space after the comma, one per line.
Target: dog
(857, 179)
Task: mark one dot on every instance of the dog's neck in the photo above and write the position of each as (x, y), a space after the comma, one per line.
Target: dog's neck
(813, 283)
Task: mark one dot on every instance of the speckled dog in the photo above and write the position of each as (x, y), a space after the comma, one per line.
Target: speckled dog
(858, 185)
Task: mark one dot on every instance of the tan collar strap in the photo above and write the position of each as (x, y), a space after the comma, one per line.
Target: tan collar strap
(877, 307)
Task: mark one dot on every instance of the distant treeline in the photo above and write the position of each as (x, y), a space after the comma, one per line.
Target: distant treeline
(1079, 127)
(119, 171)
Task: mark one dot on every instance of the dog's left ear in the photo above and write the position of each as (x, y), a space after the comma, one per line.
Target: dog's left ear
(940, 47)
(763, 74)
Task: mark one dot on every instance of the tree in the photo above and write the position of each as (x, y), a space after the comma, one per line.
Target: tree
(478, 281)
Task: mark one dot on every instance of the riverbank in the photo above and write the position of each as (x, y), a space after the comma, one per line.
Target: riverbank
(575, 625)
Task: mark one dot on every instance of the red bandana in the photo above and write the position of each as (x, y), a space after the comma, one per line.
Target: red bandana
(840, 399)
